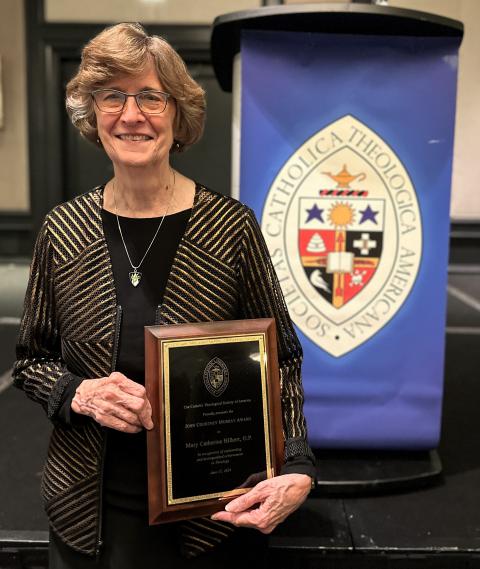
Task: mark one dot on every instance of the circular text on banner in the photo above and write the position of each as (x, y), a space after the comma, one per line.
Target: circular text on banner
(344, 230)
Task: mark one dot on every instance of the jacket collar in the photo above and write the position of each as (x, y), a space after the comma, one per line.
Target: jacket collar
(196, 213)
(97, 197)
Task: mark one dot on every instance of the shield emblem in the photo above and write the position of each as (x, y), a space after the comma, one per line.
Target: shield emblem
(216, 376)
(340, 243)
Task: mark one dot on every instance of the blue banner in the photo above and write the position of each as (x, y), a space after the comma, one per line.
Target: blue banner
(346, 157)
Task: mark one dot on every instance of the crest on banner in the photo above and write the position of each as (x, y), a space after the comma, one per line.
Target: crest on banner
(343, 226)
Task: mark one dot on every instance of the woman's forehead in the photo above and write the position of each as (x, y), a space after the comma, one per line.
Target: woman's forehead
(145, 79)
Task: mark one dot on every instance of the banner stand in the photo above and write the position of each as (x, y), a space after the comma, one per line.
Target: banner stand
(344, 472)
(339, 470)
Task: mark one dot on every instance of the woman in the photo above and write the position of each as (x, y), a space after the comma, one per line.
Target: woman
(150, 246)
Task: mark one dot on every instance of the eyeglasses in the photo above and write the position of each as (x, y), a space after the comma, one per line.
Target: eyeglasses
(113, 101)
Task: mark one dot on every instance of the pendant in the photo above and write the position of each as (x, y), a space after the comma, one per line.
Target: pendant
(135, 277)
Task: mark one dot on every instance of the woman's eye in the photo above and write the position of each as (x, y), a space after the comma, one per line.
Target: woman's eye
(112, 97)
(153, 97)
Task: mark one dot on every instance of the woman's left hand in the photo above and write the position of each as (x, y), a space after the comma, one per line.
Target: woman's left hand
(268, 503)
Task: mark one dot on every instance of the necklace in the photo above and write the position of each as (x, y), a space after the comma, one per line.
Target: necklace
(135, 276)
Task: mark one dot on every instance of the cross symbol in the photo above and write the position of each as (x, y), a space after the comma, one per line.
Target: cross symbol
(364, 244)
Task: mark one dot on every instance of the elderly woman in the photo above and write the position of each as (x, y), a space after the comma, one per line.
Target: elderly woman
(150, 246)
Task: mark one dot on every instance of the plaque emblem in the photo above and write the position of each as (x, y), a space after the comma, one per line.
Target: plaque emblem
(216, 376)
(343, 226)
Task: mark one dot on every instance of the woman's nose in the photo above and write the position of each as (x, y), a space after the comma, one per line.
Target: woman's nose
(131, 112)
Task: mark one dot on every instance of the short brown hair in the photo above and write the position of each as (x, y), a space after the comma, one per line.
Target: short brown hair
(126, 48)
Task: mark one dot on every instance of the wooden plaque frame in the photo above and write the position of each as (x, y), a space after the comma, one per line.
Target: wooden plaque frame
(158, 341)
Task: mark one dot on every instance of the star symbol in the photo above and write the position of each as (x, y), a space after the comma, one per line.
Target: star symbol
(314, 213)
(368, 215)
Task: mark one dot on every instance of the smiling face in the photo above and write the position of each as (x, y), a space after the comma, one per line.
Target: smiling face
(132, 138)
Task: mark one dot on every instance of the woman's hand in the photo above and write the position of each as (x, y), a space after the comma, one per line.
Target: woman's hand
(114, 401)
(268, 503)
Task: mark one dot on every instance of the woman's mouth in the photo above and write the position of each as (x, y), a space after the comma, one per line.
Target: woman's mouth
(134, 137)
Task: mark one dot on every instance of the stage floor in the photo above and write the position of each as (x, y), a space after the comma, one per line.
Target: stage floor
(437, 526)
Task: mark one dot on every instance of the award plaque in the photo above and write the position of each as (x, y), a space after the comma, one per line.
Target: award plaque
(215, 394)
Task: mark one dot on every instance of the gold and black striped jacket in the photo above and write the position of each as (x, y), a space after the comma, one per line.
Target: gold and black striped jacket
(70, 326)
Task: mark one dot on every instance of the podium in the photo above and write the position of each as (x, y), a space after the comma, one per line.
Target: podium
(343, 124)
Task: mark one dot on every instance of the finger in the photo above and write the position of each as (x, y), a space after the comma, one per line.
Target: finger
(99, 406)
(232, 518)
(247, 500)
(126, 384)
(223, 516)
(145, 415)
(133, 388)
(129, 385)
(130, 402)
(268, 529)
(255, 519)
(116, 376)
(116, 423)
(122, 413)
(140, 406)
(76, 407)
(248, 519)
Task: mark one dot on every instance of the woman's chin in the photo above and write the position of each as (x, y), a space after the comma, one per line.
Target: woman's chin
(137, 161)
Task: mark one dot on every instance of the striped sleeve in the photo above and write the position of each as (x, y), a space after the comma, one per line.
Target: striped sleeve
(39, 369)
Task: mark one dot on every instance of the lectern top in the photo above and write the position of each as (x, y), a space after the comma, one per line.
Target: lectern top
(360, 19)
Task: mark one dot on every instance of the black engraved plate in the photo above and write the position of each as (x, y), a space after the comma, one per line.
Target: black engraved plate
(216, 417)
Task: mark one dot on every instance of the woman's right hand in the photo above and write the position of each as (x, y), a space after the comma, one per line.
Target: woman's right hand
(115, 402)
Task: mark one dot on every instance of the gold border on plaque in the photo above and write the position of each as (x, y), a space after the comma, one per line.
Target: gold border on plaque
(165, 347)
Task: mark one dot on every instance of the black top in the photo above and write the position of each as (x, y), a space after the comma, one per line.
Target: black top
(125, 474)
